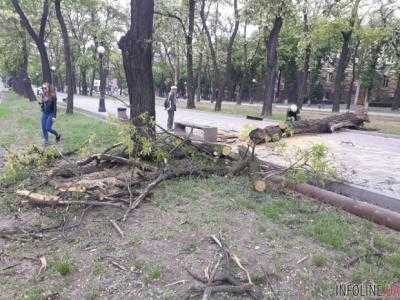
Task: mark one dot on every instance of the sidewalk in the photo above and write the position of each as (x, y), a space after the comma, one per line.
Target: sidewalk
(222, 121)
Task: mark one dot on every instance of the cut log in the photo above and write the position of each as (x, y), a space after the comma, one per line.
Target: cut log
(325, 125)
(50, 200)
(260, 185)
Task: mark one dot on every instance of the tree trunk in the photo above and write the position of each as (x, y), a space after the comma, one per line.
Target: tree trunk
(340, 71)
(69, 76)
(325, 125)
(217, 93)
(136, 47)
(20, 81)
(92, 82)
(371, 72)
(84, 84)
(271, 66)
(278, 86)
(353, 76)
(245, 74)
(291, 82)
(199, 69)
(344, 59)
(189, 56)
(228, 80)
(396, 98)
(306, 64)
(103, 82)
(38, 38)
(304, 77)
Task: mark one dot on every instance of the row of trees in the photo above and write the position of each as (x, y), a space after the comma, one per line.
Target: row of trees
(220, 50)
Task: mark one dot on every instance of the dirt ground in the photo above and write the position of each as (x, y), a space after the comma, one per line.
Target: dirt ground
(370, 161)
(162, 238)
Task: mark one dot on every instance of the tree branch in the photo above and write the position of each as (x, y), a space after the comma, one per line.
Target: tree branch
(173, 16)
(24, 20)
(43, 20)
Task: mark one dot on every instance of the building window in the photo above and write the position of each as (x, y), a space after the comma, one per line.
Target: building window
(330, 76)
(385, 81)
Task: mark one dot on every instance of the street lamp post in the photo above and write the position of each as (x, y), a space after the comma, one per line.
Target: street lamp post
(53, 74)
(252, 98)
(102, 105)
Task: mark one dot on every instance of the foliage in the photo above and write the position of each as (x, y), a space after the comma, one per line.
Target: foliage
(313, 165)
(18, 164)
(63, 266)
(330, 229)
(141, 142)
(245, 131)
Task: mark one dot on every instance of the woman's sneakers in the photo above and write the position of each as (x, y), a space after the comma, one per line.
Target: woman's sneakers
(58, 138)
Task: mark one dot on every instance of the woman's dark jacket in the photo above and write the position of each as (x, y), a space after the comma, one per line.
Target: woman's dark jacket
(50, 106)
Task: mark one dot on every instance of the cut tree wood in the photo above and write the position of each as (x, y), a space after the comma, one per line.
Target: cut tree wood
(260, 185)
(325, 125)
(50, 200)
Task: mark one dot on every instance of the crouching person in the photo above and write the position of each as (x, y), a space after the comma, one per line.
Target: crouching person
(293, 113)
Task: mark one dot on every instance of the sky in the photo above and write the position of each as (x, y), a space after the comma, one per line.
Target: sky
(366, 7)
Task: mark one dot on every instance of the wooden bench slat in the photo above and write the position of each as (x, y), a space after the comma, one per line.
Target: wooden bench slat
(210, 133)
(193, 125)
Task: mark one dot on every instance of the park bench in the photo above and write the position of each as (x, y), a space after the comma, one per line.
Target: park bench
(210, 133)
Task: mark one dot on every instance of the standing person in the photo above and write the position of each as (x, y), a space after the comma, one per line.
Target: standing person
(49, 112)
(170, 106)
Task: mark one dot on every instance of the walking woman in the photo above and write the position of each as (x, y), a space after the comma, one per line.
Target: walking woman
(49, 112)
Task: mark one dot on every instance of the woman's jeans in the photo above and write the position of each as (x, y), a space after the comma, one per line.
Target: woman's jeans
(170, 123)
(47, 123)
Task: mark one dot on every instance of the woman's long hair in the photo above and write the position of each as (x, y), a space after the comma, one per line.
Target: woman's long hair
(51, 90)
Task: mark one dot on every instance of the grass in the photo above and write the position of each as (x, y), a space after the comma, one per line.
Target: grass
(389, 126)
(63, 266)
(33, 294)
(22, 120)
(330, 229)
(319, 260)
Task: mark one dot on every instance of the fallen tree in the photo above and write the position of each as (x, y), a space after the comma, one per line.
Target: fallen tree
(325, 125)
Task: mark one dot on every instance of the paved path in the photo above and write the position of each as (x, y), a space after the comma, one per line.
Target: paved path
(383, 112)
(222, 121)
(371, 161)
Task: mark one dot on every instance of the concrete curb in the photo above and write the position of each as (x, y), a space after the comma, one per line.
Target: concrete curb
(384, 135)
(364, 195)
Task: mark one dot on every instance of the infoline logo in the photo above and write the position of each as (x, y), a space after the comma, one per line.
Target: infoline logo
(367, 290)
(392, 290)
